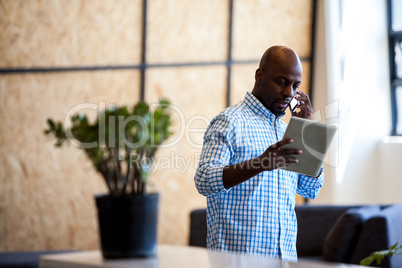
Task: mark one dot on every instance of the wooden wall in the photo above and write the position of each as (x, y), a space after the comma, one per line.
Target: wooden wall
(46, 194)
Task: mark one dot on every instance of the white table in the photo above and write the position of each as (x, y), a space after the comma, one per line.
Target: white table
(174, 257)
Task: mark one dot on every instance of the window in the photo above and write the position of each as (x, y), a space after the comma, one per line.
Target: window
(395, 62)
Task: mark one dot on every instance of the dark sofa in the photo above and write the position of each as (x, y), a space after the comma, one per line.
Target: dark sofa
(345, 234)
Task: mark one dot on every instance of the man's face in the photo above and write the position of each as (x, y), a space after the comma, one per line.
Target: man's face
(278, 83)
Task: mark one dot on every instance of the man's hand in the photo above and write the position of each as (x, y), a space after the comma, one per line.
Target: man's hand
(274, 157)
(306, 109)
(277, 157)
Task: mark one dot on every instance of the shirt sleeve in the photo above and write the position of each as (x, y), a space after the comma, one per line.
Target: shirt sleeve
(309, 187)
(217, 152)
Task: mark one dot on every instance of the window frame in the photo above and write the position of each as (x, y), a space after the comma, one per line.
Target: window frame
(395, 82)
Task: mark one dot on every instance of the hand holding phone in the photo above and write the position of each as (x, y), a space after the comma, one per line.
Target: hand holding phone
(300, 106)
(294, 104)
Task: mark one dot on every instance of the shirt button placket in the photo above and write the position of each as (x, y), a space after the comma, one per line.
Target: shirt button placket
(282, 219)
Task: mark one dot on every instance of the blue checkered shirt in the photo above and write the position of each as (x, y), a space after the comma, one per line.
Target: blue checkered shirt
(256, 216)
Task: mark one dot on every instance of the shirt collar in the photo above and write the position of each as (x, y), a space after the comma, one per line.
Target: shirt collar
(258, 108)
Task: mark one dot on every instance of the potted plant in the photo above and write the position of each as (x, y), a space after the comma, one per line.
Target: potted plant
(121, 144)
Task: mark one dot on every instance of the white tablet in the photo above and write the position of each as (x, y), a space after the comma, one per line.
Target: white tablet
(314, 139)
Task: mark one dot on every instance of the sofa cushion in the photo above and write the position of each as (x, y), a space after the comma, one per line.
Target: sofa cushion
(380, 232)
(198, 228)
(341, 240)
(24, 259)
(314, 222)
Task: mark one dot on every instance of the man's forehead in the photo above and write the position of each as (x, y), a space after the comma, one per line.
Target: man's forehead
(289, 70)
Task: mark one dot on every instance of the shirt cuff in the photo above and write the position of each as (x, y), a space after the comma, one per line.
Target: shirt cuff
(216, 179)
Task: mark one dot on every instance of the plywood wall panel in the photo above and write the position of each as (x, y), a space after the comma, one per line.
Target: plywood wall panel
(305, 85)
(69, 33)
(198, 94)
(261, 24)
(242, 81)
(46, 193)
(183, 31)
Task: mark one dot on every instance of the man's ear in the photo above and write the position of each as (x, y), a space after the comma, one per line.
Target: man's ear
(258, 75)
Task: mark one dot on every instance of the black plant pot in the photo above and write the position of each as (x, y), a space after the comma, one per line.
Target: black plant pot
(127, 225)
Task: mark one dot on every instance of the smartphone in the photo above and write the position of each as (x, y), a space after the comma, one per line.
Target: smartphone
(293, 105)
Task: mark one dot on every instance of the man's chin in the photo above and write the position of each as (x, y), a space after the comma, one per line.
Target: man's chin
(279, 110)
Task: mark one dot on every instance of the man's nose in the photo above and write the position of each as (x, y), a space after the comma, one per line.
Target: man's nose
(287, 91)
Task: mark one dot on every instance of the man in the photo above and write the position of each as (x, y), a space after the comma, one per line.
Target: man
(250, 200)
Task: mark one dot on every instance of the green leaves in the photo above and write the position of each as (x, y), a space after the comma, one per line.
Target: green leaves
(58, 131)
(378, 256)
(119, 142)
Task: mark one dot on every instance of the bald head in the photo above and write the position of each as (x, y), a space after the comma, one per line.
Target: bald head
(277, 78)
(276, 54)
